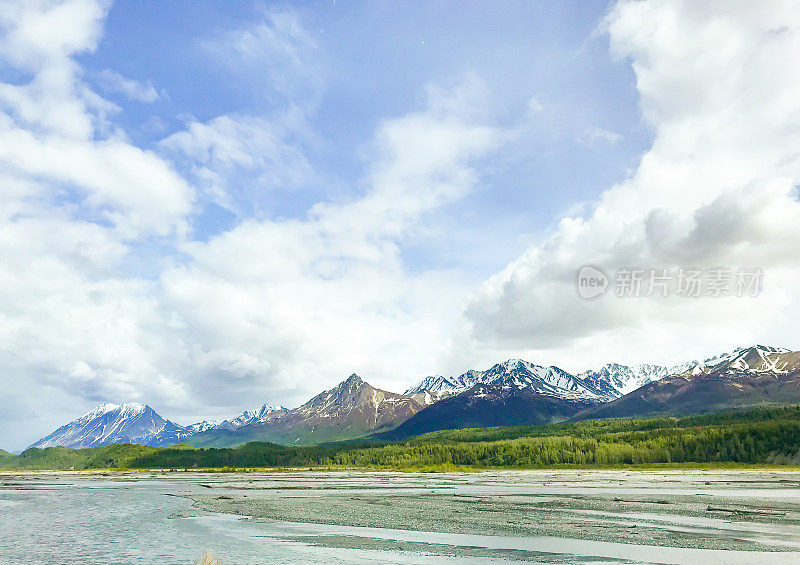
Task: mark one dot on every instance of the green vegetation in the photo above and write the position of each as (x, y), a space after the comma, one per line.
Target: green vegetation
(594, 428)
(761, 436)
(5, 458)
(65, 458)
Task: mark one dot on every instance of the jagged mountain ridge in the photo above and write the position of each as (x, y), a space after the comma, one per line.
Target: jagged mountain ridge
(702, 392)
(245, 418)
(514, 373)
(433, 388)
(756, 358)
(607, 383)
(134, 422)
(615, 380)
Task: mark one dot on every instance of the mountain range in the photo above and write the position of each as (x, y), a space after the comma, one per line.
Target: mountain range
(245, 418)
(515, 392)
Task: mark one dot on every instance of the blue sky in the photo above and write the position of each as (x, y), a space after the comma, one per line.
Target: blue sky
(206, 206)
(373, 61)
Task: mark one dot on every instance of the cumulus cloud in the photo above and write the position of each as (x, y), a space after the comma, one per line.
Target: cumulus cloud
(272, 310)
(290, 305)
(720, 89)
(276, 309)
(77, 197)
(51, 127)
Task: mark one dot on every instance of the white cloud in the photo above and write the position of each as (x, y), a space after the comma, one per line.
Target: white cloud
(277, 55)
(291, 306)
(239, 160)
(534, 106)
(719, 86)
(591, 136)
(272, 310)
(54, 129)
(77, 199)
(112, 81)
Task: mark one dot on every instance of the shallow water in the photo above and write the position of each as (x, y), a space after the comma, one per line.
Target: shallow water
(114, 522)
(47, 520)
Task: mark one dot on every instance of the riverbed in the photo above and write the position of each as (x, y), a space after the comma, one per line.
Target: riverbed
(743, 516)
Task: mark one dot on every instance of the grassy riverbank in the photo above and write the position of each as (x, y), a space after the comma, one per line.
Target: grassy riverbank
(761, 437)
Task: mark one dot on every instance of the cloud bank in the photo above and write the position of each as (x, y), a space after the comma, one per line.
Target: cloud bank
(110, 291)
(719, 87)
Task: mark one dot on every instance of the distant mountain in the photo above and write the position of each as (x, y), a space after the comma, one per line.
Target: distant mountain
(552, 381)
(747, 377)
(247, 417)
(615, 380)
(116, 423)
(756, 358)
(490, 405)
(352, 409)
(514, 373)
(434, 388)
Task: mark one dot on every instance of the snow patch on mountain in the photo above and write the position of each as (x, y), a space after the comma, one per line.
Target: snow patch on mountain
(514, 373)
(615, 380)
(756, 358)
(607, 383)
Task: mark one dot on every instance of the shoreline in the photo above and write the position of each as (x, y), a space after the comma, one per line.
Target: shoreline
(644, 467)
(166, 473)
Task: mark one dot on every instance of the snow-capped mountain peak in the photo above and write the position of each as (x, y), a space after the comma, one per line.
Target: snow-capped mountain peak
(758, 358)
(553, 381)
(433, 383)
(205, 425)
(615, 379)
(127, 408)
(513, 373)
(610, 381)
(110, 423)
(245, 418)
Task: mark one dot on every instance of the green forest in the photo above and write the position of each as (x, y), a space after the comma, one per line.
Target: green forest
(760, 436)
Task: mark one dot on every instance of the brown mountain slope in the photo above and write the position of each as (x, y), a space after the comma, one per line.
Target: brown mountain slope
(350, 410)
(704, 392)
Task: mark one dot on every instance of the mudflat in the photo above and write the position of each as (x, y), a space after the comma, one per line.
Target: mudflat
(751, 510)
(680, 516)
